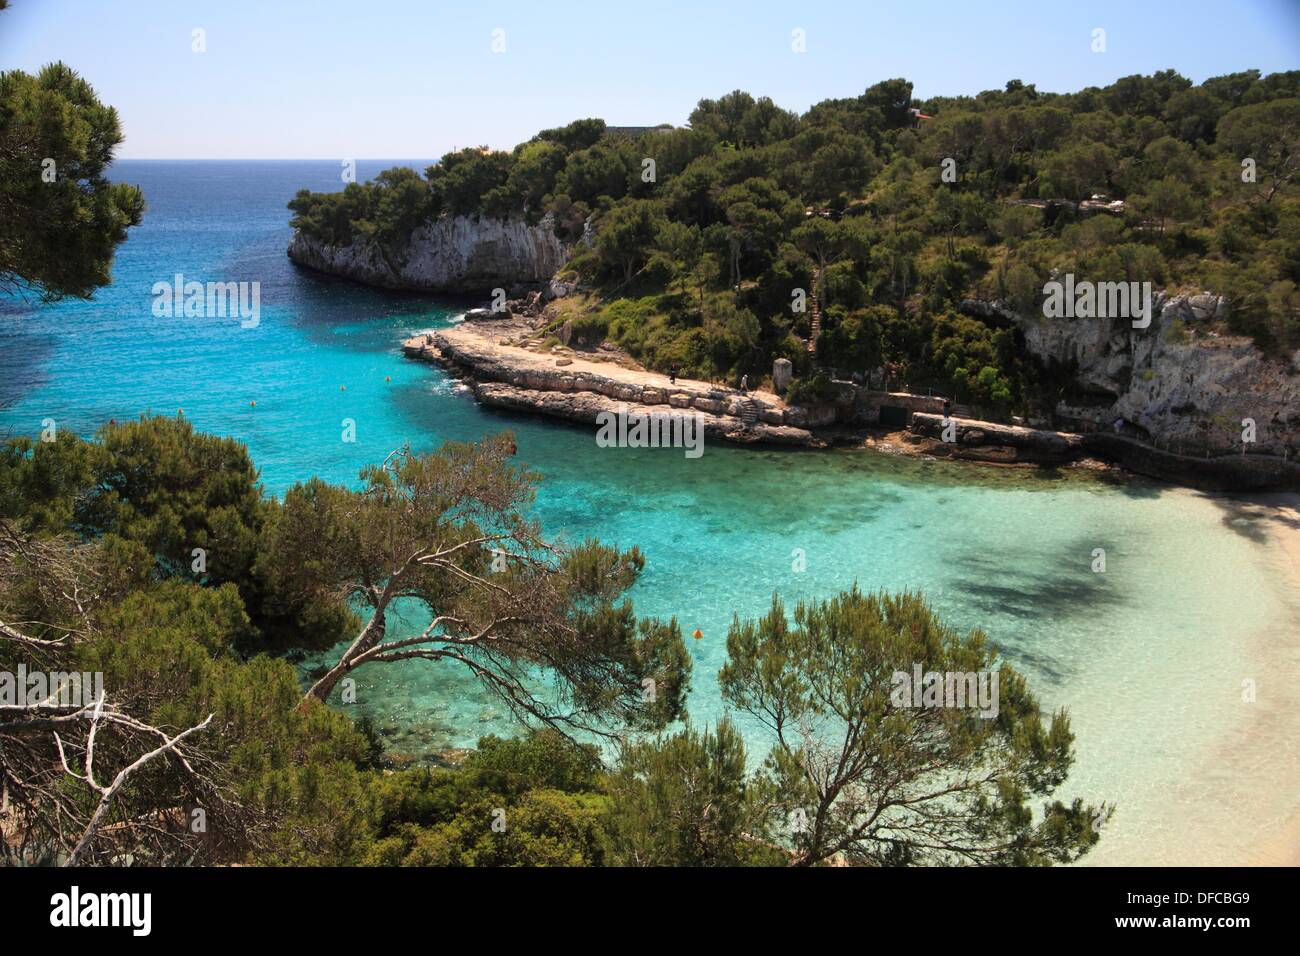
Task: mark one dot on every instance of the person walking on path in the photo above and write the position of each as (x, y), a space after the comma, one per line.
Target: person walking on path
(744, 383)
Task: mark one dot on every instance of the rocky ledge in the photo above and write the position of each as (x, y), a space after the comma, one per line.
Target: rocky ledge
(988, 441)
(586, 407)
(579, 389)
(973, 440)
(452, 254)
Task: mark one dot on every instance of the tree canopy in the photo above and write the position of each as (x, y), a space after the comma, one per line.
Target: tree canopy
(874, 776)
(60, 217)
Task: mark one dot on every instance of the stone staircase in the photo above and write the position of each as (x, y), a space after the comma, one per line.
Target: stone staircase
(749, 411)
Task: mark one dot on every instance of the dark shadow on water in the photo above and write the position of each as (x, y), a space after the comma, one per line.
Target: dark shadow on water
(1252, 515)
(25, 351)
(1026, 658)
(1248, 527)
(324, 303)
(1033, 597)
(1062, 586)
(1041, 601)
(1133, 486)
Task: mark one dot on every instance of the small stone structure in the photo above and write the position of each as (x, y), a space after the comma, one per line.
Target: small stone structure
(869, 404)
(782, 372)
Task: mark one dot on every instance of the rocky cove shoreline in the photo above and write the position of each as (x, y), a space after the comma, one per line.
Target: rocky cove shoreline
(578, 387)
(1182, 387)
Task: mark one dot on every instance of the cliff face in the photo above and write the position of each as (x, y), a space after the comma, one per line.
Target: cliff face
(458, 254)
(1180, 382)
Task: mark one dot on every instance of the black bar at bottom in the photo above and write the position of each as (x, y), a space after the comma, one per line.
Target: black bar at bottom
(333, 906)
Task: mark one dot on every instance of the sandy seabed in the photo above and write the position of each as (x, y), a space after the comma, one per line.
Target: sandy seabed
(1237, 801)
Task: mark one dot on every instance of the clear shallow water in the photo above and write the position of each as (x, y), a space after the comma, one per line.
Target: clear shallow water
(1149, 656)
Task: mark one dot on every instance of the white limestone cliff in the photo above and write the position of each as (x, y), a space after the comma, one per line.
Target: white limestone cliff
(452, 254)
(1181, 381)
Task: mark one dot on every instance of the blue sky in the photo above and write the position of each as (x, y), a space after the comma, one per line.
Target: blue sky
(399, 79)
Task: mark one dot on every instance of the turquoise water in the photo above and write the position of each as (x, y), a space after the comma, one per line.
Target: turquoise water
(1148, 656)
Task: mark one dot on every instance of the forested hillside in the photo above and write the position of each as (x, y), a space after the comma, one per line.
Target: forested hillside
(695, 242)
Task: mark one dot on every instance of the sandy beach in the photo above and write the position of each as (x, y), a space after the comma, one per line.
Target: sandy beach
(1280, 515)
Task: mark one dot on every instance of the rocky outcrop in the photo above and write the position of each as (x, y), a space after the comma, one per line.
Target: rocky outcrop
(585, 407)
(1183, 384)
(1013, 442)
(452, 254)
(508, 377)
(974, 440)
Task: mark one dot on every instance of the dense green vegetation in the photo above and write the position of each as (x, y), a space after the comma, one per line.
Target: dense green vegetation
(60, 218)
(191, 500)
(95, 576)
(695, 267)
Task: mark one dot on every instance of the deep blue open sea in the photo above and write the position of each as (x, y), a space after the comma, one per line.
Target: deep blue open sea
(1148, 656)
